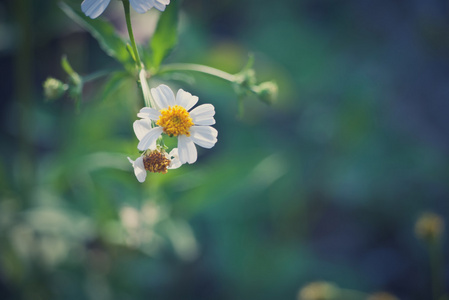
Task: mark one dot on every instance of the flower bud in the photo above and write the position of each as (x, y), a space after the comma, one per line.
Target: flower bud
(320, 290)
(54, 88)
(429, 227)
(267, 91)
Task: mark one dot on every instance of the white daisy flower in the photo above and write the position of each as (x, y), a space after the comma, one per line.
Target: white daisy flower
(155, 161)
(94, 8)
(174, 119)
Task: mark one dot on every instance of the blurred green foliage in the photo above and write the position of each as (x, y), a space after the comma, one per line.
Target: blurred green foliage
(326, 184)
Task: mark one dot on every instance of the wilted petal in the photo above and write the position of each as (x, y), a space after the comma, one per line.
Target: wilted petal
(139, 169)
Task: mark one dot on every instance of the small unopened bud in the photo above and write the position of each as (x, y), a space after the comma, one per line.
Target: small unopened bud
(54, 88)
(429, 227)
(320, 290)
(267, 91)
(382, 296)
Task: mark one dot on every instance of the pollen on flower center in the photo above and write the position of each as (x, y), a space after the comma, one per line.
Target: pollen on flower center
(156, 162)
(175, 120)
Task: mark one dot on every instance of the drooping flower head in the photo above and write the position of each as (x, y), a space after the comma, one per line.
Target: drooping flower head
(94, 8)
(174, 118)
(155, 161)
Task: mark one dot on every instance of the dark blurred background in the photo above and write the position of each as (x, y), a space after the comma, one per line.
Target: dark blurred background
(324, 185)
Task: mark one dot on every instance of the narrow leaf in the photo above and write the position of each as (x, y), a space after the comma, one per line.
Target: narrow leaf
(66, 66)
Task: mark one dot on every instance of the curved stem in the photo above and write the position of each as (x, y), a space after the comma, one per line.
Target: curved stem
(130, 32)
(197, 68)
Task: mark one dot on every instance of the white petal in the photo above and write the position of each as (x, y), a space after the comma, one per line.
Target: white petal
(204, 121)
(159, 5)
(163, 96)
(204, 136)
(149, 140)
(142, 127)
(139, 168)
(174, 157)
(149, 113)
(142, 6)
(94, 8)
(203, 115)
(185, 99)
(165, 2)
(187, 150)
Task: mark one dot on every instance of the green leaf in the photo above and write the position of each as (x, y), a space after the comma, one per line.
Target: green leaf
(102, 31)
(166, 35)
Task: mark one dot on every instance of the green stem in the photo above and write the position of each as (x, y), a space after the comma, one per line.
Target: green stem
(130, 32)
(142, 73)
(197, 68)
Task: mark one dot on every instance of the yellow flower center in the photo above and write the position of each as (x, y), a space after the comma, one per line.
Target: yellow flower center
(175, 120)
(156, 162)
